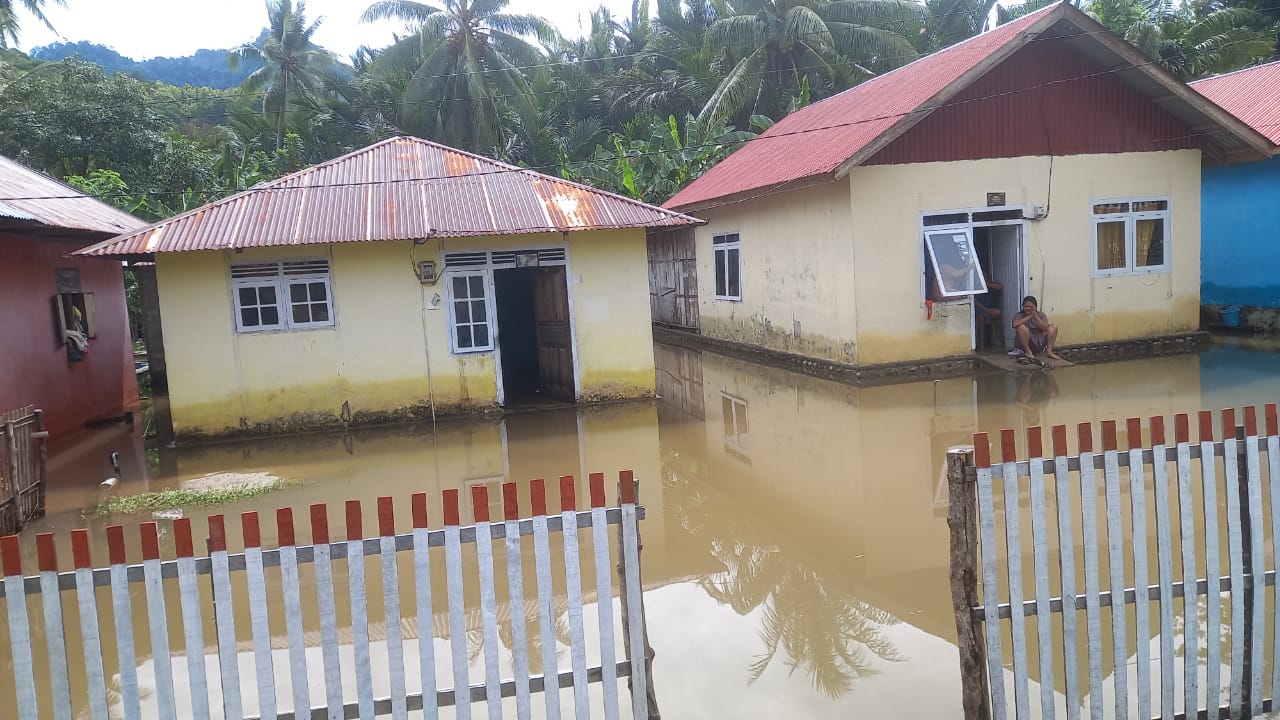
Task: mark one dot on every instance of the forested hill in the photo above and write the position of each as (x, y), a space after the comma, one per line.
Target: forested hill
(206, 68)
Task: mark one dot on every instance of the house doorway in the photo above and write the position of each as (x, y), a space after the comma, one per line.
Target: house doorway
(535, 337)
(1001, 252)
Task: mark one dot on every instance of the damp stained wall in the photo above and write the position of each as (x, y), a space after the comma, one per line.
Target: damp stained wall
(388, 353)
(835, 271)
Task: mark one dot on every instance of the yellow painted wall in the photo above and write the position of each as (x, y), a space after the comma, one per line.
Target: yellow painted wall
(844, 259)
(797, 279)
(377, 354)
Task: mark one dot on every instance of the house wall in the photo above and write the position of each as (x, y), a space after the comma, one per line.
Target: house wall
(385, 356)
(887, 202)
(797, 284)
(810, 256)
(35, 368)
(1239, 225)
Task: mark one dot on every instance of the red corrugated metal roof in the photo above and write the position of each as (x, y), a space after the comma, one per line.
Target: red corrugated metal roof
(818, 143)
(817, 139)
(1253, 95)
(403, 188)
(32, 196)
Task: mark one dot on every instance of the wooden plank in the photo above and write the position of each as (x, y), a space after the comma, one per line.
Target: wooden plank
(546, 594)
(122, 612)
(1273, 476)
(259, 625)
(327, 611)
(488, 601)
(1253, 505)
(1067, 571)
(516, 597)
(1164, 565)
(19, 631)
(1013, 560)
(291, 592)
(224, 618)
(636, 635)
(161, 658)
(604, 596)
(963, 564)
(1089, 539)
(1040, 549)
(1138, 519)
(90, 635)
(1232, 473)
(55, 638)
(1187, 538)
(357, 594)
(457, 604)
(573, 587)
(391, 609)
(1115, 560)
(990, 589)
(426, 615)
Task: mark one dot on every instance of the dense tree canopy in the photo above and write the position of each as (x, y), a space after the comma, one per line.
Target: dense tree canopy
(640, 104)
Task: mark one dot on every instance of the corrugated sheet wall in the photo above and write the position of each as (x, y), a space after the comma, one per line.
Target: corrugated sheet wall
(1039, 103)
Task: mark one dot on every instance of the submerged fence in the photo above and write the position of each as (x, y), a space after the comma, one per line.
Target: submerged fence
(23, 460)
(1154, 633)
(241, 576)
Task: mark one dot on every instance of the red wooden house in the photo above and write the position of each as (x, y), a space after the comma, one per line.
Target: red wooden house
(64, 324)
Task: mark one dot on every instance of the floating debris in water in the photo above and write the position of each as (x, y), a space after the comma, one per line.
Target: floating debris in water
(171, 514)
(213, 489)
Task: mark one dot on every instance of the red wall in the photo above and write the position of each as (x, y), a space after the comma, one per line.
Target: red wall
(1038, 102)
(33, 365)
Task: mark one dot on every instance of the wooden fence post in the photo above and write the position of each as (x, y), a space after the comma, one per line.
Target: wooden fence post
(10, 488)
(43, 436)
(647, 652)
(1246, 559)
(963, 522)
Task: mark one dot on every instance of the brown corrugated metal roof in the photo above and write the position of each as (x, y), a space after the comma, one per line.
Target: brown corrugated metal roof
(403, 188)
(825, 140)
(1253, 95)
(32, 196)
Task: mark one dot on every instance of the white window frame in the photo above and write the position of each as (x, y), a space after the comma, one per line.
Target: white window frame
(735, 443)
(282, 284)
(967, 231)
(720, 248)
(1130, 219)
(489, 320)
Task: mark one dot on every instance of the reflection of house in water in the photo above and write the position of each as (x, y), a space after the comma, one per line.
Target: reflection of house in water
(845, 487)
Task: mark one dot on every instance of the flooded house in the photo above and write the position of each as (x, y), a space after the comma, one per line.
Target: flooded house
(1240, 210)
(1045, 157)
(404, 280)
(68, 350)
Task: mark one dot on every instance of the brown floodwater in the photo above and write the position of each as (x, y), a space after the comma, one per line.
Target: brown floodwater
(795, 558)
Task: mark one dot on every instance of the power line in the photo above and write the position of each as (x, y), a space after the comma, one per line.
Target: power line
(761, 138)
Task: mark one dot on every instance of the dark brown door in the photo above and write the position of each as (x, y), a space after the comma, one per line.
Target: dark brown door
(555, 336)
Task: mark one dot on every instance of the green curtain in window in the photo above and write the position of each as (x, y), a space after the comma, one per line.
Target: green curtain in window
(1111, 245)
(1150, 242)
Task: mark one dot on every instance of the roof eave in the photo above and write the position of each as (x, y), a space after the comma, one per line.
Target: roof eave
(753, 193)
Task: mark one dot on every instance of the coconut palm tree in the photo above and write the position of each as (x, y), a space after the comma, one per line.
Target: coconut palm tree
(466, 75)
(9, 24)
(771, 47)
(1189, 42)
(294, 69)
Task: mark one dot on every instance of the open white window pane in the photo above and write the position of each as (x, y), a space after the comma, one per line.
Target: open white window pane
(955, 262)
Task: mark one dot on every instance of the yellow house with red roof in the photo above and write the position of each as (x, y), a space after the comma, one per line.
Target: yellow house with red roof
(1047, 157)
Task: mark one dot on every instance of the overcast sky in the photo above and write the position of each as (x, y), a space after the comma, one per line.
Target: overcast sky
(143, 29)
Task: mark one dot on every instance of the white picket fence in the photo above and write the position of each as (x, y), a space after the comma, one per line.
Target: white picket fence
(1192, 618)
(231, 573)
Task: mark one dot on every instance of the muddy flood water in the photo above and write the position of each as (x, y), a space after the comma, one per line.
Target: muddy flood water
(795, 555)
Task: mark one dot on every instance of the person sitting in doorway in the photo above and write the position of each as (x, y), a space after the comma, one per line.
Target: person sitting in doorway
(1035, 334)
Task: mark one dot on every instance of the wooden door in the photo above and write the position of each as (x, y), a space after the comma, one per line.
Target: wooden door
(673, 278)
(555, 335)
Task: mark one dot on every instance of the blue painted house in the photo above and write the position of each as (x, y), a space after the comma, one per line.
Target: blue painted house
(1240, 205)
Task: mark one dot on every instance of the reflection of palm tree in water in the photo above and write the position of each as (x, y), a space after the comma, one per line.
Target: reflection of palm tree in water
(834, 637)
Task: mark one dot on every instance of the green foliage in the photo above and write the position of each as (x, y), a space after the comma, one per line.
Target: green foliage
(207, 68)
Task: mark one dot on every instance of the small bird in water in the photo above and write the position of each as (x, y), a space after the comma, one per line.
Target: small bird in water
(110, 482)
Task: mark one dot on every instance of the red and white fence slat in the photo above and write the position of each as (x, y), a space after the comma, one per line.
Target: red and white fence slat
(309, 682)
(1158, 617)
